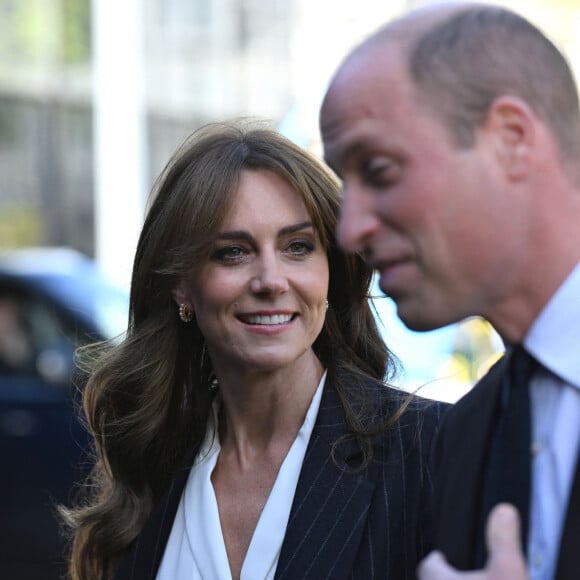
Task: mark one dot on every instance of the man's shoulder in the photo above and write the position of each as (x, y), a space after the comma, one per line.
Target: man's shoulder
(470, 417)
(482, 391)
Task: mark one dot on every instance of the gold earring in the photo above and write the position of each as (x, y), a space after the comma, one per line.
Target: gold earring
(185, 312)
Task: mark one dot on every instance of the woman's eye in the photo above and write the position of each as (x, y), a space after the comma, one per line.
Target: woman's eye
(301, 248)
(228, 254)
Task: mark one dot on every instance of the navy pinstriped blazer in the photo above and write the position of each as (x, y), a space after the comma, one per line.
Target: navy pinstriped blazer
(343, 523)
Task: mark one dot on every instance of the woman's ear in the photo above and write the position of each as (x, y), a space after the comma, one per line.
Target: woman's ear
(180, 294)
(510, 125)
(182, 298)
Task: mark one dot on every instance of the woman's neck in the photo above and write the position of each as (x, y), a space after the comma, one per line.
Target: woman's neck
(264, 409)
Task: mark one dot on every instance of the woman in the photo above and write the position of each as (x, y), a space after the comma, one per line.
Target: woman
(242, 428)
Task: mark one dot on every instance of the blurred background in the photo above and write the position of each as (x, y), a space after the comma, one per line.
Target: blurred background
(94, 97)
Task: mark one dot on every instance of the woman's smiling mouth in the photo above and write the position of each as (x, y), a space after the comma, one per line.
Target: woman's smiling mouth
(266, 319)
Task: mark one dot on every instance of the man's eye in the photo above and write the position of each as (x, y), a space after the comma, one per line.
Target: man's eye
(380, 171)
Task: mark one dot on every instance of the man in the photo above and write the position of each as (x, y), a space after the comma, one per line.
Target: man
(456, 132)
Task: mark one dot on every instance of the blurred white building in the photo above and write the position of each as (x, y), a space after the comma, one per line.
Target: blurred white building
(74, 152)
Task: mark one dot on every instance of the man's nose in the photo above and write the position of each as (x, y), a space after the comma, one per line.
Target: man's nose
(357, 221)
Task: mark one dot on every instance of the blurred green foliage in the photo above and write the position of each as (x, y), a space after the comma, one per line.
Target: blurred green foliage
(21, 226)
(76, 30)
(37, 30)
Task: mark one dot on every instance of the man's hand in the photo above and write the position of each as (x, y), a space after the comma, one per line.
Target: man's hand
(505, 561)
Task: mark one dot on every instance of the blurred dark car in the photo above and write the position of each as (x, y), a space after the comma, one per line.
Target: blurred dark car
(51, 301)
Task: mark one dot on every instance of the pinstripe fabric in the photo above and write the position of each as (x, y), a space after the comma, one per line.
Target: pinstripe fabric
(344, 523)
(143, 559)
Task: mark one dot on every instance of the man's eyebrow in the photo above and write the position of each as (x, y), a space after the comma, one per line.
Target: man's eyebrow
(336, 159)
(244, 235)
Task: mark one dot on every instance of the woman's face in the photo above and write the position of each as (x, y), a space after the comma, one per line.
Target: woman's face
(260, 299)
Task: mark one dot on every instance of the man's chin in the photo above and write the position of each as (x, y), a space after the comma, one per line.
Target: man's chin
(416, 317)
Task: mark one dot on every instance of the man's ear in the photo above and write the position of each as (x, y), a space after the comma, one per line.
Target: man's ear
(510, 124)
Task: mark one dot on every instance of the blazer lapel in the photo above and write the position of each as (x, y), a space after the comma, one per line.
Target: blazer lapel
(459, 461)
(326, 522)
(144, 557)
(330, 505)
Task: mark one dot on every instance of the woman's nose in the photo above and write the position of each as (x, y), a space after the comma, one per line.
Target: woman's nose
(270, 277)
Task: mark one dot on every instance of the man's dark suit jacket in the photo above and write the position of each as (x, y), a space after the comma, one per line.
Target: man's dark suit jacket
(343, 523)
(458, 460)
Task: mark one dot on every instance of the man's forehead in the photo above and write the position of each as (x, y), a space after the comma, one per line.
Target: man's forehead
(395, 39)
(369, 91)
(347, 141)
(355, 83)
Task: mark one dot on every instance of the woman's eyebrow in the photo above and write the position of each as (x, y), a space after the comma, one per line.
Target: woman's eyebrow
(244, 235)
(234, 235)
(295, 228)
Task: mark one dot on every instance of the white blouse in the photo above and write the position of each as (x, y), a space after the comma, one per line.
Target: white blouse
(196, 550)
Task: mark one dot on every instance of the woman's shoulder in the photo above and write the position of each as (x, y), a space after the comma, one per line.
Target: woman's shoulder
(415, 404)
(383, 408)
(397, 401)
(401, 425)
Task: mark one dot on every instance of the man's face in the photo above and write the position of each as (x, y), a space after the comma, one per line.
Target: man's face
(429, 217)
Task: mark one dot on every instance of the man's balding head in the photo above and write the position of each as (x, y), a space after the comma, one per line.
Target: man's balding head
(461, 57)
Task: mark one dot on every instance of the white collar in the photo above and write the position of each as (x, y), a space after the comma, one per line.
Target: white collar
(554, 337)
